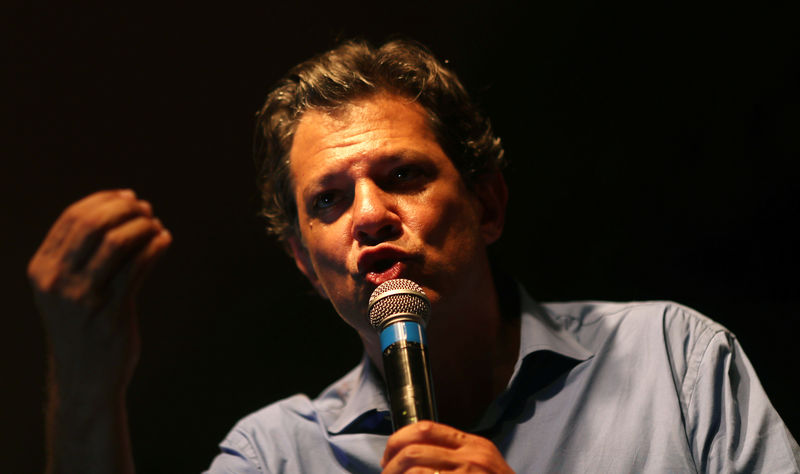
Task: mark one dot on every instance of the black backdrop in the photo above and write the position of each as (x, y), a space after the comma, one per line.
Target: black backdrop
(652, 146)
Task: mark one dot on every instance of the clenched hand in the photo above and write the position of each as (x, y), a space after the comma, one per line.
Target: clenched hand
(85, 276)
(433, 447)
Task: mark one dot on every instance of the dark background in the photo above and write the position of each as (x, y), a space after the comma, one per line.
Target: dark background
(652, 146)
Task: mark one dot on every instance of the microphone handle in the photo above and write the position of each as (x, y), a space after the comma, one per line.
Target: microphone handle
(408, 374)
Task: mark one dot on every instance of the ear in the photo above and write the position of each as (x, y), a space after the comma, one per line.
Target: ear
(492, 194)
(303, 262)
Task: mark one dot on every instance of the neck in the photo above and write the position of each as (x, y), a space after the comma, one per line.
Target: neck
(473, 350)
(473, 358)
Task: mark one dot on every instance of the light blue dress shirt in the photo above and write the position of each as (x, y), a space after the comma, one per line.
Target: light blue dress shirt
(598, 387)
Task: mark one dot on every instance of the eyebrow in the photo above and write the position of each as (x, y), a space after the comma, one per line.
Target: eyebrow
(387, 160)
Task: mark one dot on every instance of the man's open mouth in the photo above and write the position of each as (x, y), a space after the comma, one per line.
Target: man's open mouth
(382, 265)
(385, 269)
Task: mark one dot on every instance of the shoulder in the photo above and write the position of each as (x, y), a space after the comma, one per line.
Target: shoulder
(666, 348)
(673, 334)
(630, 312)
(277, 435)
(260, 436)
(275, 417)
(600, 319)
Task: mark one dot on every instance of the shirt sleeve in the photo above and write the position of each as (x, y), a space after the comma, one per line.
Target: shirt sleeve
(236, 456)
(229, 463)
(731, 424)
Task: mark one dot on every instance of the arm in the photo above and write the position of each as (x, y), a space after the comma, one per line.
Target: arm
(85, 277)
(730, 421)
(440, 447)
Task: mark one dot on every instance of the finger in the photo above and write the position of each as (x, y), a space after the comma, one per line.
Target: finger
(64, 222)
(118, 246)
(147, 259)
(51, 264)
(90, 227)
(126, 284)
(421, 456)
(99, 197)
(423, 432)
(78, 230)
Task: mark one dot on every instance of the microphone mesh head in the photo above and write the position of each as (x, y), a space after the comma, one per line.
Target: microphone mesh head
(398, 296)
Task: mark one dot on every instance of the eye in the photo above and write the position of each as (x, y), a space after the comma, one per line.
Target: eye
(406, 173)
(325, 200)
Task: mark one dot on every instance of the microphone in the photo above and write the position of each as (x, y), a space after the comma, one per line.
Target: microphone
(399, 311)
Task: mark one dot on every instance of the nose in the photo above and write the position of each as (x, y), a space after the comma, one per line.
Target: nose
(374, 218)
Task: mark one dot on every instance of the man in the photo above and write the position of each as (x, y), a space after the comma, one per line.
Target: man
(375, 165)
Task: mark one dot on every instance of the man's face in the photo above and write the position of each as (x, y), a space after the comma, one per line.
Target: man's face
(377, 198)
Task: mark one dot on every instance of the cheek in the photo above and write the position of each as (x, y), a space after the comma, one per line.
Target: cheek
(328, 246)
(449, 221)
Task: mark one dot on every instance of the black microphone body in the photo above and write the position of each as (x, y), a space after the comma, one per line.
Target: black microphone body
(399, 310)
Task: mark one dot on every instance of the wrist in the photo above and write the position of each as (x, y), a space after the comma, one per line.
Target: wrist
(87, 431)
(80, 390)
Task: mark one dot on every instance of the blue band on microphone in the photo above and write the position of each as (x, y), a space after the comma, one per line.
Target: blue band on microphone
(402, 331)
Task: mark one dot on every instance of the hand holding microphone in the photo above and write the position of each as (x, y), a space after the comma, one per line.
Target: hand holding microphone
(399, 311)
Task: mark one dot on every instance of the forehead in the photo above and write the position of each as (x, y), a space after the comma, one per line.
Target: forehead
(373, 126)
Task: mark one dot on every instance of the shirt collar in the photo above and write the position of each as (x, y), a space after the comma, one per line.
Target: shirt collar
(358, 402)
(540, 331)
(546, 351)
(365, 405)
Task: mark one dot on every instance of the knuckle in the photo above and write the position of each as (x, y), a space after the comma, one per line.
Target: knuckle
(411, 453)
(390, 442)
(47, 283)
(481, 460)
(154, 225)
(478, 463)
(395, 441)
(114, 241)
(424, 429)
(417, 470)
(424, 425)
(409, 457)
(32, 271)
(45, 280)
(145, 207)
(85, 221)
(95, 221)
